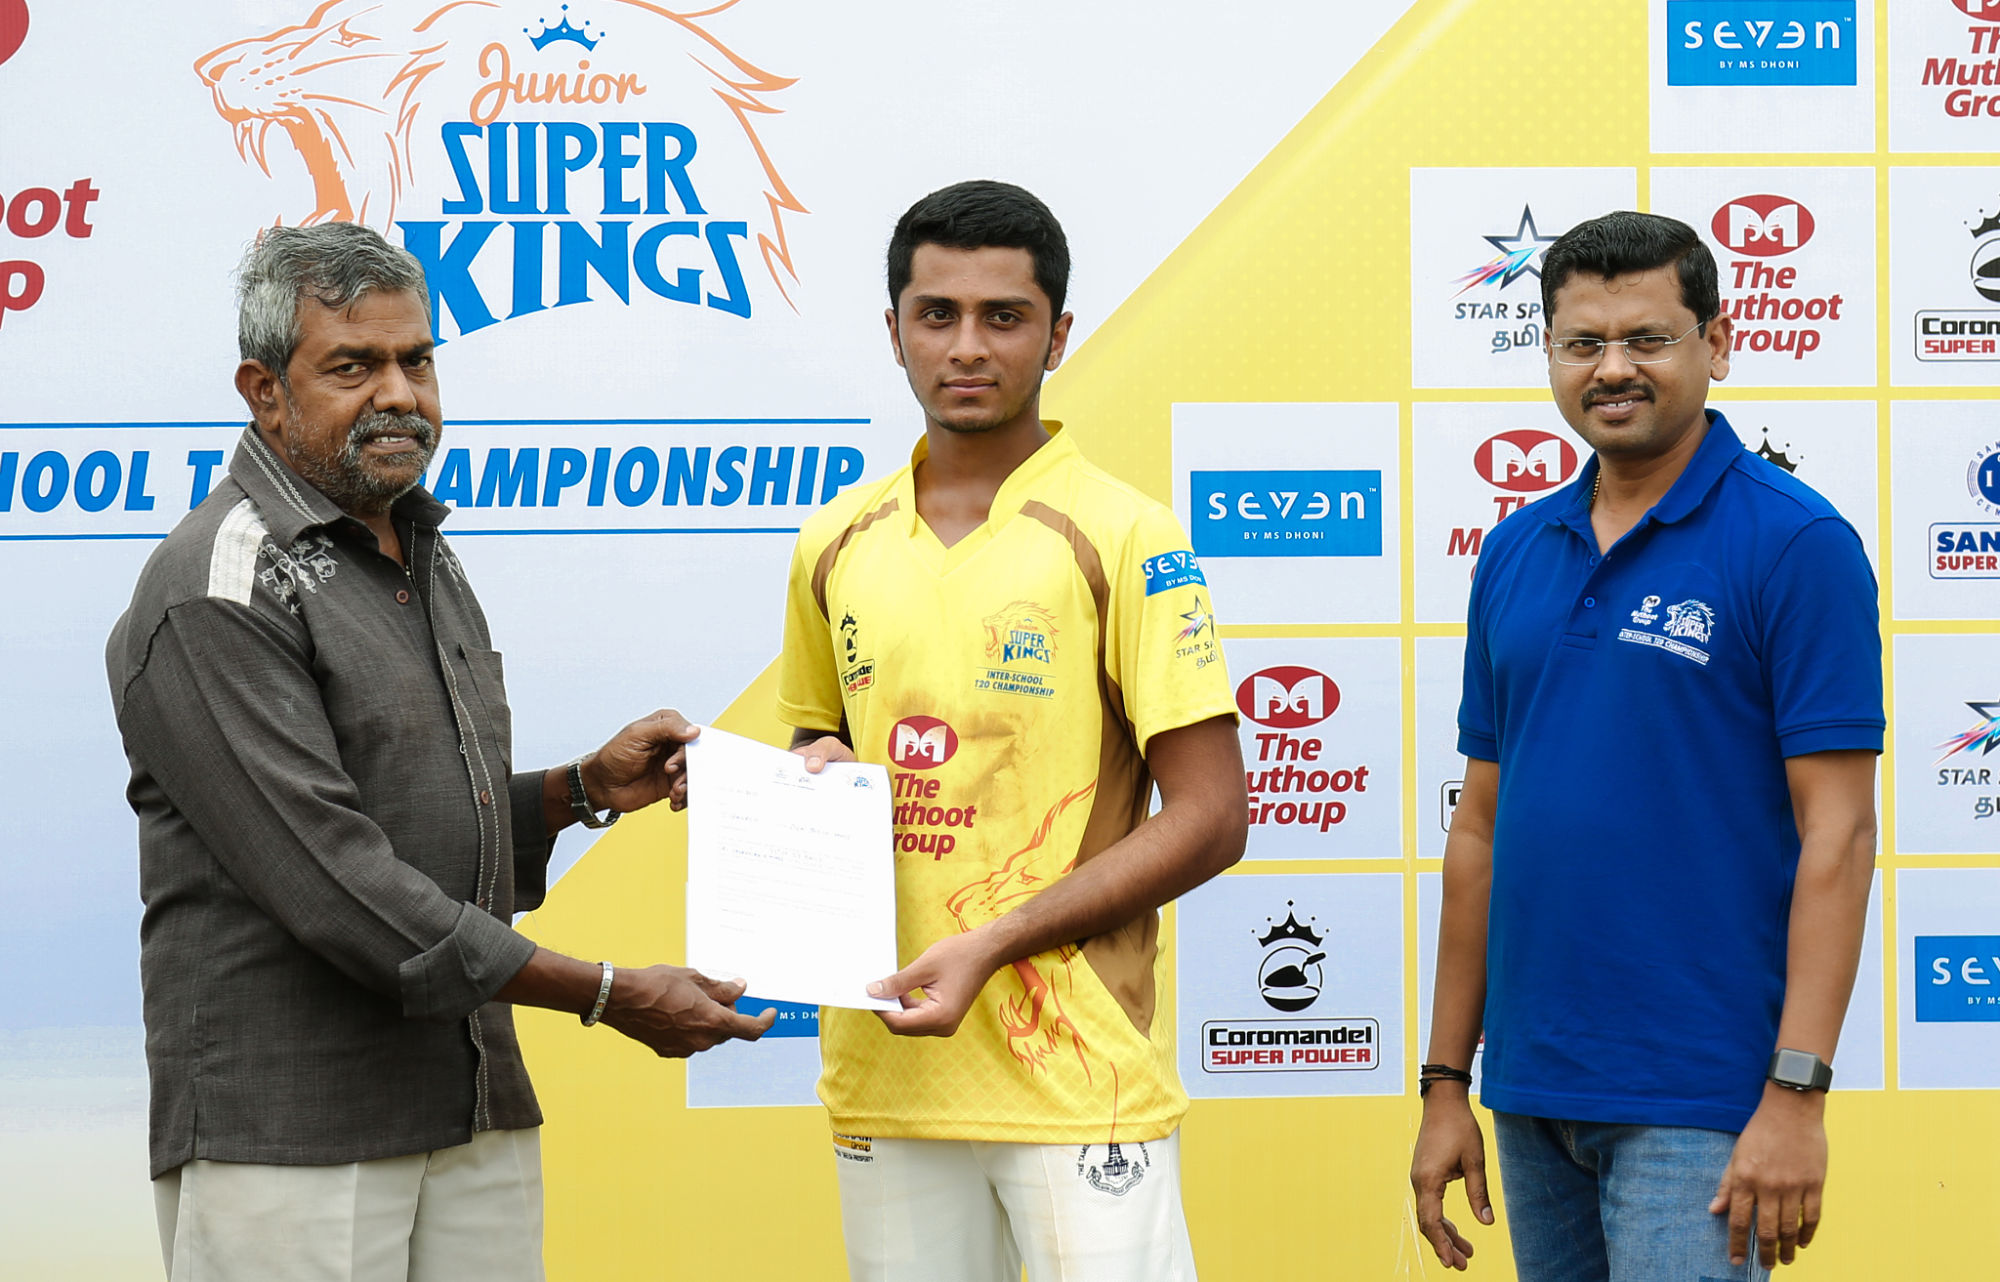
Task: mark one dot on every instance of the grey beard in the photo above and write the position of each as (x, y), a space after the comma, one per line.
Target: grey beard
(347, 479)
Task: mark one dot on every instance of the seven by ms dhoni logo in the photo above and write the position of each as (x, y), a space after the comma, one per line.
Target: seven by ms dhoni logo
(1958, 978)
(1287, 513)
(1762, 226)
(1761, 42)
(529, 160)
(1287, 697)
(921, 743)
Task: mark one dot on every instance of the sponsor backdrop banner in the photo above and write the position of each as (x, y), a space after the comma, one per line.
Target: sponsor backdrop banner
(1308, 243)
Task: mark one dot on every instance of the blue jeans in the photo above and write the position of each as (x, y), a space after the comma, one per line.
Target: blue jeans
(1598, 1202)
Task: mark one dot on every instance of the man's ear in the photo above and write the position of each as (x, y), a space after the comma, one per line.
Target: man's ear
(895, 335)
(262, 393)
(1058, 340)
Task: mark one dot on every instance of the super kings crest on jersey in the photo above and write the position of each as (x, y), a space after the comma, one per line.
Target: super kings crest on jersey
(532, 155)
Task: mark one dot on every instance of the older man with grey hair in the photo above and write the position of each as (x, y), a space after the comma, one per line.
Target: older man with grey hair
(332, 837)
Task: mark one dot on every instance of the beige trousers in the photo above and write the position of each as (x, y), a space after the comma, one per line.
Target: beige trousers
(471, 1211)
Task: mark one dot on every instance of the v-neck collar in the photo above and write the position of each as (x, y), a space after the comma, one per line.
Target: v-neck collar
(1057, 451)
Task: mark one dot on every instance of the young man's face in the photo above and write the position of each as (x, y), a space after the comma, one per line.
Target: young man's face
(1636, 411)
(975, 334)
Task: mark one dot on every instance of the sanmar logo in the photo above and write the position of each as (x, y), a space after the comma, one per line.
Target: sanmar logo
(921, 743)
(1525, 461)
(1287, 697)
(1764, 226)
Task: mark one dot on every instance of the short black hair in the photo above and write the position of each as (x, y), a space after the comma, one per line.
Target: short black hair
(974, 215)
(1625, 242)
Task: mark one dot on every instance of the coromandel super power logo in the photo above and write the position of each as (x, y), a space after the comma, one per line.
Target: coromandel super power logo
(531, 155)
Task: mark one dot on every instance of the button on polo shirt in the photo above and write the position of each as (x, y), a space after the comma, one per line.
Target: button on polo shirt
(1641, 705)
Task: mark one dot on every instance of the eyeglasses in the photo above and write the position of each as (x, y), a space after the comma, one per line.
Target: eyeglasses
(1640, 349)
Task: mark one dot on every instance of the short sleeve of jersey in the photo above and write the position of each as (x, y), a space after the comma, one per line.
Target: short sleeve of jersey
(1161, 646)
(1823, 643)
(808, 685)
(1478, 729)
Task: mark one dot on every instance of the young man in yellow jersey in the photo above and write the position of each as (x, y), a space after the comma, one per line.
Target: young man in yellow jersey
(1026, 643)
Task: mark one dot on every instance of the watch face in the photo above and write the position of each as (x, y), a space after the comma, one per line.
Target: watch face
(1794, 1068)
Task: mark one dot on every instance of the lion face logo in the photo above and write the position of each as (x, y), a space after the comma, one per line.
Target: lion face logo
(357, 81)
(1691, 620)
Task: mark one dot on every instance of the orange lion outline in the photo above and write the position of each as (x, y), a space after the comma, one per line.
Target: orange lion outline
(1036, 1023)
(344, 87)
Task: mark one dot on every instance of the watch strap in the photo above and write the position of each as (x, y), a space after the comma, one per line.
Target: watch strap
(579, 800)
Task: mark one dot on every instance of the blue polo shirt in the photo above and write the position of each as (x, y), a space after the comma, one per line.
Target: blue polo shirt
(1641, 705)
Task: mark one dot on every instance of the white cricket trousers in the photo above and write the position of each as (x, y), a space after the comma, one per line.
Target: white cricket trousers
(470, 1211)
(968, 1211)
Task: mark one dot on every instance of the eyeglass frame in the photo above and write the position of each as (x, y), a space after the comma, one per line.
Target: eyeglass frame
(1606, 344)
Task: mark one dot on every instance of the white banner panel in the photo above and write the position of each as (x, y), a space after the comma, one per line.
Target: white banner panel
(1320, 727)
(1948, 1005)
(1795, 259)
(1293, 509)
(1946, 727)
(1476, 464)
(1292, 985)
(1944, 276)
(1476, 242)
(1944, 510)
(1763, 75)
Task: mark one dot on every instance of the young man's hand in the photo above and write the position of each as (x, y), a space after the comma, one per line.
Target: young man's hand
(950, 972)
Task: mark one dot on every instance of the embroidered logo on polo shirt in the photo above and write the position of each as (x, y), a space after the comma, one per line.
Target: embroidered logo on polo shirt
(1688, 628)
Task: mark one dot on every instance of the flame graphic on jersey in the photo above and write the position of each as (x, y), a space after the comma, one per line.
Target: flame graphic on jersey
(345, 86)
(1036, 1023)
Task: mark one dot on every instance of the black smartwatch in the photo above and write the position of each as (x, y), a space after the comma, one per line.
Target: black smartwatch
(1799, 1071)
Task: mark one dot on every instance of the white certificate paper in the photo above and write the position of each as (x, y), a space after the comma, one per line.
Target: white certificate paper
(791, 875)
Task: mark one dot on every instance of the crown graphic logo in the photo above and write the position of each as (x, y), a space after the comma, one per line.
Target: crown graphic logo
(1290, 930)
(1770, 454)
(1990, 223)
(563, 31)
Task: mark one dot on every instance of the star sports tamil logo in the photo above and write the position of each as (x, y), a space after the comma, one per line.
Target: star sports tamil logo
(1199, 620)
(1520, 255)
(1984, 737)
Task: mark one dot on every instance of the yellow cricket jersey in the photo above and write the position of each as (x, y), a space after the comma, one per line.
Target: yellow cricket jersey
(1010, 684)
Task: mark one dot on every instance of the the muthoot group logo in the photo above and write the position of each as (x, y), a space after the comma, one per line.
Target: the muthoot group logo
(532, 155)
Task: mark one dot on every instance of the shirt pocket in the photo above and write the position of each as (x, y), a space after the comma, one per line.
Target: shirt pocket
(489, 701)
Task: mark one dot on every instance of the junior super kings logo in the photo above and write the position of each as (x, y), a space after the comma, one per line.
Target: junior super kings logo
(532, 155)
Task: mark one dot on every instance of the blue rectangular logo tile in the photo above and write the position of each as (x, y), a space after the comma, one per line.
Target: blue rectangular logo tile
(1172, 570)
(794, 1019)
(1958, 979)
(1761, 42)
(1284, 513)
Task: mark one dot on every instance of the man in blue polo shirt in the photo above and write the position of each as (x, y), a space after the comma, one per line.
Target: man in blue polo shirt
(1658, 871)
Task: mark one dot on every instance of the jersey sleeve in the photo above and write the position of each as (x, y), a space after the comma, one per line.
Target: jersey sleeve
(1161, 646)
(1823, 643)
(808, 685)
